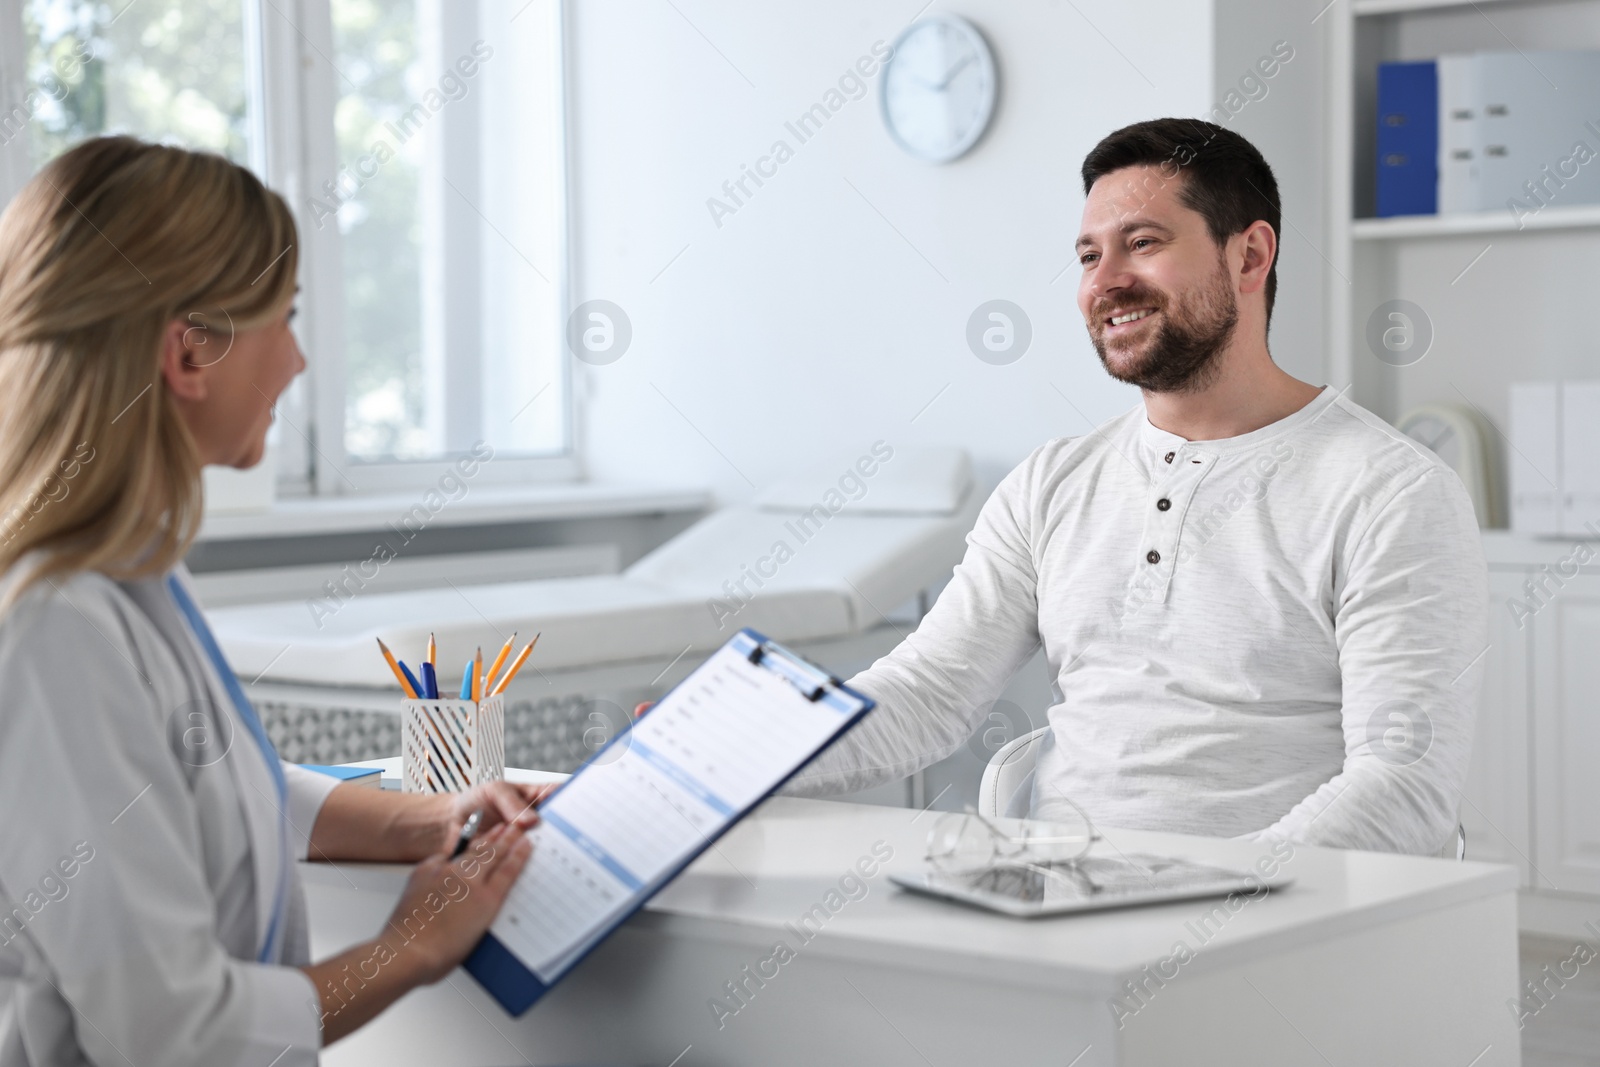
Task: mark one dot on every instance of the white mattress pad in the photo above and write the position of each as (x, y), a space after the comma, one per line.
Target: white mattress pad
(788, 577)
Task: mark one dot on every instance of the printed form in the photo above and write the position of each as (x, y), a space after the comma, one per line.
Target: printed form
(713, 747)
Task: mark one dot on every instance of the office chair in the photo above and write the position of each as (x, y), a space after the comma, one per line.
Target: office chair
(1007, 786)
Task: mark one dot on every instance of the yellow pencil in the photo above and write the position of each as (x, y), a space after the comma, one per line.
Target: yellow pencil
(477, 675)
(398, 673)
(516, 665)
(500, 660)
(433, 652)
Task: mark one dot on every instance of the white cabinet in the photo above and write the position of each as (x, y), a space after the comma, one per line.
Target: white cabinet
(1533, 793)
(1566, 738)
(1495, 804)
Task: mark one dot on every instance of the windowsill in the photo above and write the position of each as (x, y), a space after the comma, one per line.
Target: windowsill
(481, 506)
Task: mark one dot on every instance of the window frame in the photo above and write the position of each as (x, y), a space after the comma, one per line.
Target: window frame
(294, 92)
(14, 159)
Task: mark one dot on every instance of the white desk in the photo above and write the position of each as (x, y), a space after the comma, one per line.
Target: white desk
(1368, 959)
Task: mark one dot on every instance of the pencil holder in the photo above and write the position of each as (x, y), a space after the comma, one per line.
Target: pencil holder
(448, 746)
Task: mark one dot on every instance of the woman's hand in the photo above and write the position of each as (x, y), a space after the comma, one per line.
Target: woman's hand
(448, 904)
(358, 823)
(502, 803)
(443, 912)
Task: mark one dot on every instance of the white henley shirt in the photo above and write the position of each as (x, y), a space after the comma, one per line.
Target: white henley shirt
(1277, 635)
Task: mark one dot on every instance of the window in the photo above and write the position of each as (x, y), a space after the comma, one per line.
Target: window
(420, 143)
(162, 71)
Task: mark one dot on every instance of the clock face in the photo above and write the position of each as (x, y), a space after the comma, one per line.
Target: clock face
(1456, 435)
(1437, 435)
(939, 89)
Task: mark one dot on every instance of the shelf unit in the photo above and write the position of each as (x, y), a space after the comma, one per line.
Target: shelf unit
(1400, 226)
(1499, 297)
(1505, 303)
(1400, 7)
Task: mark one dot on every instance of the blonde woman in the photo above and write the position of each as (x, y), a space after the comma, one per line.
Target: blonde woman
(150, 909)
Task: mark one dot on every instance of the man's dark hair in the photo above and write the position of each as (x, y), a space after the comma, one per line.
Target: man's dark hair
(1227, 180)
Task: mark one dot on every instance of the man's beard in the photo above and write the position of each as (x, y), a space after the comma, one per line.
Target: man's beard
(1182, 356)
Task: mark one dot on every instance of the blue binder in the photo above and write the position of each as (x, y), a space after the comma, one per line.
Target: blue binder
(1408, 139)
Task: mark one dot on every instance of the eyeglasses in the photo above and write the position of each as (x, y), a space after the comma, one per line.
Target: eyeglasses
(977, 850)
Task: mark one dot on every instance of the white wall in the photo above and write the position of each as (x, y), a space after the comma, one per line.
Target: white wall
(806, 323)
(1285, 117)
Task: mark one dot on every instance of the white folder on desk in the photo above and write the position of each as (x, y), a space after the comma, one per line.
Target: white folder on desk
(643, 807)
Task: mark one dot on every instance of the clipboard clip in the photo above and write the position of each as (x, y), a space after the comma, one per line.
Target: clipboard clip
(812, 681)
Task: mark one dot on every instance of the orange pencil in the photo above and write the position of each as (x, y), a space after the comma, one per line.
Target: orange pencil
(398, 673)
(516, 666)
(433, 652)
(477, 675)
(500, 660)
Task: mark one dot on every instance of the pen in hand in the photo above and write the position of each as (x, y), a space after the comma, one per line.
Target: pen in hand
(468, 830)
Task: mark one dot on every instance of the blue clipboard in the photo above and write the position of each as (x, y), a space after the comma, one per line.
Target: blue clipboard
(505, 976)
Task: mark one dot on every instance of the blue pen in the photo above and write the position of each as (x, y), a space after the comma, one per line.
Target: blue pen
(431, 680)
(416, 687)
(466, 682)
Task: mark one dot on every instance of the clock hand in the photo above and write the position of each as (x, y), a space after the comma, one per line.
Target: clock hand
(951, 73)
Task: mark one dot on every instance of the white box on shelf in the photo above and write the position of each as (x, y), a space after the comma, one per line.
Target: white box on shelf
(449, 746)
(1580, 445)
(1534, 464)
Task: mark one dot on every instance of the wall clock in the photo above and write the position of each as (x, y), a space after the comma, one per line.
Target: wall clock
(937, 92)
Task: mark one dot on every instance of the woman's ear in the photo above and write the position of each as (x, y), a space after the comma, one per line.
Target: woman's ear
(184, 375)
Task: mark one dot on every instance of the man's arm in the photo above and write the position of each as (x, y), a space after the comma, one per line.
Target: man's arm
(934, 688)
(1411, 624)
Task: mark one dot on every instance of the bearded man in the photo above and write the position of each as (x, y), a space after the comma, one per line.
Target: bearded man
(1263, 608)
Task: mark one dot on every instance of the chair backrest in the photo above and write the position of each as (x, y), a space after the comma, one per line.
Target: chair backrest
(1007, 787)
(1456, 847)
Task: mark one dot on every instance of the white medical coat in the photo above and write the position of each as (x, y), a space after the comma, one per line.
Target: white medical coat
(140, 845)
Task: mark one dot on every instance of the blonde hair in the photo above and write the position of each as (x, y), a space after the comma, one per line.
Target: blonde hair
(104, 248)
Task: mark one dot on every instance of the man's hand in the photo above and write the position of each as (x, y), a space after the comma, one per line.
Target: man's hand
(642, 708)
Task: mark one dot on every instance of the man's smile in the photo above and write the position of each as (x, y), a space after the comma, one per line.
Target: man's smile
(1125, 321)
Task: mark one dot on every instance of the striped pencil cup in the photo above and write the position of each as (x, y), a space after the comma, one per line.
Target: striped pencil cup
(448, 746)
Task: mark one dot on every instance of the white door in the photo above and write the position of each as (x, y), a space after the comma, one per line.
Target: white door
(1566, 738)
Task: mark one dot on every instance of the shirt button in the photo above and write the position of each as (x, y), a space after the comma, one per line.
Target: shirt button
(1168, 456)
(1163, 504)
(1153, 556)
